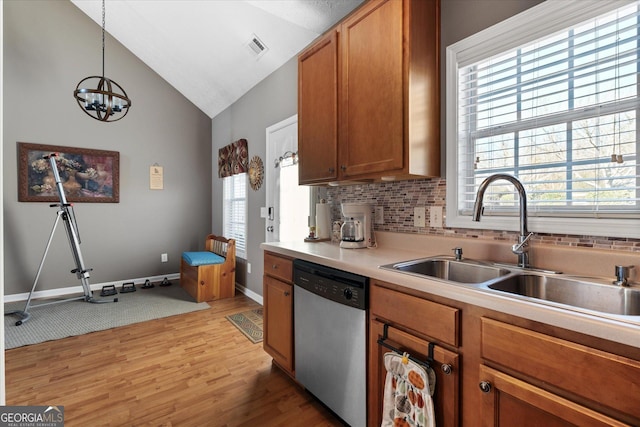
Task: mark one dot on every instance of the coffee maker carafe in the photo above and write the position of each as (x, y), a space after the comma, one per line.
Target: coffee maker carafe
(356, 230)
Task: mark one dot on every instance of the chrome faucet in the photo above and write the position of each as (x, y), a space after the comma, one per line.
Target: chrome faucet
(521, 248)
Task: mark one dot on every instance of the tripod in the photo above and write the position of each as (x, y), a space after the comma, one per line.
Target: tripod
(67, 214)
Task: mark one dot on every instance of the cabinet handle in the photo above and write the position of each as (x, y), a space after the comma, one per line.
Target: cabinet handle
(485, 386)
(287, 293)
(446, 368)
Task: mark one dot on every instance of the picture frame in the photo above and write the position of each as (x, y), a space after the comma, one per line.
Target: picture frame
(87, 175)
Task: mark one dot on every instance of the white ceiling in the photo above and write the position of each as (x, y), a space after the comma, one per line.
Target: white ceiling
(201, 46)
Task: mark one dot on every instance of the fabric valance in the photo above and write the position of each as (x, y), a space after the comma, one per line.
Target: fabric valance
(233, 158)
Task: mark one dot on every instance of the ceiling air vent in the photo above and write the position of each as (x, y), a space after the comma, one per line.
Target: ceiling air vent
(257, 46)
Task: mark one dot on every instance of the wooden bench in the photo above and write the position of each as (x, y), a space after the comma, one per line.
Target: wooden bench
(211, 274)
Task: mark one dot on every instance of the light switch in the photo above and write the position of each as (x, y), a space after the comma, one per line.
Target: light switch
(435, 219)
(379, 215)
(418, 216)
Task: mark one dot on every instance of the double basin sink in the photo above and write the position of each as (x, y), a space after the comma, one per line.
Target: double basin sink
(591, 294)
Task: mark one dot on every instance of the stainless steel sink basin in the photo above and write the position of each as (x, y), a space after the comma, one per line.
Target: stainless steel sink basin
(602, 297)
(547, 287)
(449, 269)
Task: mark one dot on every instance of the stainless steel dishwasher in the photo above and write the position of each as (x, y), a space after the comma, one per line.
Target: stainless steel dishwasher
(330, 324)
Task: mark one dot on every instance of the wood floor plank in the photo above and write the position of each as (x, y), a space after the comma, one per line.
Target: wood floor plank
(195, 369)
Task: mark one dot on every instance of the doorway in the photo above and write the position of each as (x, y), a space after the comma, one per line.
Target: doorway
(288, 204)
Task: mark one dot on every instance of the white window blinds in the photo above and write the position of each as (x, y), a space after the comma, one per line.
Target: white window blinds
(551, 97)
(235, 211)
(558, 112)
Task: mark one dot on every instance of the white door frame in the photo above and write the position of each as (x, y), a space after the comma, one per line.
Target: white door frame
(278, 132)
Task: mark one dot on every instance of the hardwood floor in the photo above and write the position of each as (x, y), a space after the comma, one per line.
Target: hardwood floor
(194, 369)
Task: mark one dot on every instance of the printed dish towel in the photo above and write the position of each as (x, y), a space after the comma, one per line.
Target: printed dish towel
(407, 393)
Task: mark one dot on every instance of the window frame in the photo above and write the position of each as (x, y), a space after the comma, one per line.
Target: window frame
(241, 244)
(534, 23)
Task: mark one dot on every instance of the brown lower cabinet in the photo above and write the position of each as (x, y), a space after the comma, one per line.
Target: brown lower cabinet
(576, 378)
(277, 293)
(508, 401)
(402, 320)
(445, 365)
(505, 370)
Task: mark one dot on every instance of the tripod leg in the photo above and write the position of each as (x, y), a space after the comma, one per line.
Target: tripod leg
(24, 314)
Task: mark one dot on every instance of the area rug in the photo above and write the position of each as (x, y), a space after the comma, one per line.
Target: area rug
(71, 318)
(249, 323)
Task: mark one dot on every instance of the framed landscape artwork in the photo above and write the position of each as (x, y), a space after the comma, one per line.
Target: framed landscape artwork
(86, 175)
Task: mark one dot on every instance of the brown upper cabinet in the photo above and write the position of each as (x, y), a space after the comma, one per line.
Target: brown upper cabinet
(318, 111)
(369, 96)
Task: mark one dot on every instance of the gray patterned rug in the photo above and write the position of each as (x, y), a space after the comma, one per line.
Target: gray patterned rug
(72, 318)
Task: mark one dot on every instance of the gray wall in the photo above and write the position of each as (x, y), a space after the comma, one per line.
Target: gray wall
(272, 100)
(49, 46)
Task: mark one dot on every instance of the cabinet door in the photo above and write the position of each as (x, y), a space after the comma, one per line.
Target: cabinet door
(609, 379)
(446, 396)
(508, 401)
(278, 322)
(318, 111)
(372, 90)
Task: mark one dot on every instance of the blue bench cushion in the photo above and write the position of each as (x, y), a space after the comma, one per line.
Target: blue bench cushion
(195, 259)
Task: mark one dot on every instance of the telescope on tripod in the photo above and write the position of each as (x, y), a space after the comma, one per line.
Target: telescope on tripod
(65, 211)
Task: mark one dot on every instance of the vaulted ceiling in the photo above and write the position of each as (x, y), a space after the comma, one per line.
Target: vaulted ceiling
(206, 49)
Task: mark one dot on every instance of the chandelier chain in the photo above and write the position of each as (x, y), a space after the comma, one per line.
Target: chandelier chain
(103, 25)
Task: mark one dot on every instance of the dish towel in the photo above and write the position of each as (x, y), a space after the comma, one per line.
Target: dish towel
(407, 393)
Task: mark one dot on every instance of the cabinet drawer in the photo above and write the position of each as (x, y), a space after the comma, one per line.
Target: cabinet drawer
(279, 267)
(432, 319)
(601, 377)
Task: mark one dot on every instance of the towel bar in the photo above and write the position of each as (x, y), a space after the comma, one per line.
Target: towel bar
(445, 367)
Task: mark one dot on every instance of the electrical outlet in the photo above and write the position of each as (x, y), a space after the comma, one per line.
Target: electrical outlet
(164, 258)
(379, 215)
(248, 268)
(435, 219)
(418, 216)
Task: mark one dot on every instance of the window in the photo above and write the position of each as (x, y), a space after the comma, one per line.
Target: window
(234, 216)
(552, 101)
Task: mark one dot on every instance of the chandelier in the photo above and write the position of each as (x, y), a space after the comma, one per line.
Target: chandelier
(99, 97)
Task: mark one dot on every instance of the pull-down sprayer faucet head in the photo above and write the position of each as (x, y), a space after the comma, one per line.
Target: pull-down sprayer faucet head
(521, 247)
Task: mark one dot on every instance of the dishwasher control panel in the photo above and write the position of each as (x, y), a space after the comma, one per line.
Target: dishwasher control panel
(336, 285)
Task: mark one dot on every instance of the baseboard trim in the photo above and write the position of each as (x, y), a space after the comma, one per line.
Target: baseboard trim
(51, 293)
(248, 292)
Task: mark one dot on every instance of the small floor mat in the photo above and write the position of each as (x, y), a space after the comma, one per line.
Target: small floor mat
(249, 323)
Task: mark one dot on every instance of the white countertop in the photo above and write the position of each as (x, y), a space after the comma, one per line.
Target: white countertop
(622, 329)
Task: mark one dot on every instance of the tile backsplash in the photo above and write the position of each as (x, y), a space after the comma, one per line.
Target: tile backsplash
(400, 197)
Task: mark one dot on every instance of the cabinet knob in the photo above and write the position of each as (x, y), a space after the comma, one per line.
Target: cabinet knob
(287, 293)
(446, 368)
(332, 170)
(343, 167)
(274, 266)
(485, 386)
